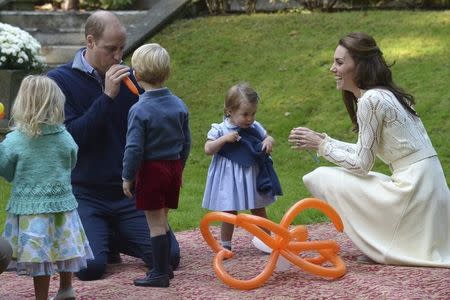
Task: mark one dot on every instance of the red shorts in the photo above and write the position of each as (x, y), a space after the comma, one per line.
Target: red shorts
(158, 184)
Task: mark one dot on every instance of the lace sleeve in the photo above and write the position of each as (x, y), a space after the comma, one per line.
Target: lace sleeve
(360, 157)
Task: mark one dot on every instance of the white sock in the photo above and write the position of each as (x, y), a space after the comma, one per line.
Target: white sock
(226, 243)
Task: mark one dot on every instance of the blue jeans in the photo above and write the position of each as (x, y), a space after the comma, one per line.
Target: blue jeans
(100, 217)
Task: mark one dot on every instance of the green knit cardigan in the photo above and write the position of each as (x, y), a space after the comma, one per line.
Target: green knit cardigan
(39, 169)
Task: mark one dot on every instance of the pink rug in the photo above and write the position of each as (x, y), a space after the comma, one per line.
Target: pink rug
(195, 278)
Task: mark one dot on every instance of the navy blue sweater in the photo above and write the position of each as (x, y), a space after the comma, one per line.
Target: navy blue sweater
(158, 129)
(247, 152)
(98, 125)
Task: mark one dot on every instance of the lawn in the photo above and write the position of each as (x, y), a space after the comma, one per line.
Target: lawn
(286, 58)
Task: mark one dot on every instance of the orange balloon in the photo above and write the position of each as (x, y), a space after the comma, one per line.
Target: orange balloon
(130, 85)
(285, 242)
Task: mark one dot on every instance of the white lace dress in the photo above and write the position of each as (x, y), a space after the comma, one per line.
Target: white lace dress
(401, 219)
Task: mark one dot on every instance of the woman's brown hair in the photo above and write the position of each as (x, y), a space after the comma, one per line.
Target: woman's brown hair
(371, 71)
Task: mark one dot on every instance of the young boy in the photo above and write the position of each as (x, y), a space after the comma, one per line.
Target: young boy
(158, 145)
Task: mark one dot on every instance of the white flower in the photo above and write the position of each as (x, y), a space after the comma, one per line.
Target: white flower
(18, 49)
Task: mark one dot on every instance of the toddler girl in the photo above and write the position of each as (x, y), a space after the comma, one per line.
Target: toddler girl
(42, 223)
(241, 175)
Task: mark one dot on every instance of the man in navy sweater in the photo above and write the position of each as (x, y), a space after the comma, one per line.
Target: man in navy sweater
(97, 104)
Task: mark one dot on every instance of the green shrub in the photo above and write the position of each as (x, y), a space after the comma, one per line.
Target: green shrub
(330, 5)
(105, 4)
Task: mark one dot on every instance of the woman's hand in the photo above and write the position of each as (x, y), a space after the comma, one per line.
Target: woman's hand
(305, 138)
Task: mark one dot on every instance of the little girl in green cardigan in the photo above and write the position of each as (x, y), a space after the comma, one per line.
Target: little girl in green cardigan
(42, 223)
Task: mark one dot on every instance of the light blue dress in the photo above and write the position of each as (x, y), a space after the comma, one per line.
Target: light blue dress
(229, 186)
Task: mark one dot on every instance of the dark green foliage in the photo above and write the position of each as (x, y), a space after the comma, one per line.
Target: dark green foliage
(105, 4)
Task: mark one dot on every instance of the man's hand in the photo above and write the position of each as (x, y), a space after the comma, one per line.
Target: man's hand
(113, 78)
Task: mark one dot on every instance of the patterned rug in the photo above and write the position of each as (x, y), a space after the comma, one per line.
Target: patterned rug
(195, 278)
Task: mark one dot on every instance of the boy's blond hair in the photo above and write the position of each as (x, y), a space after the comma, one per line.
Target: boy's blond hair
(151, 63)
(39, 101)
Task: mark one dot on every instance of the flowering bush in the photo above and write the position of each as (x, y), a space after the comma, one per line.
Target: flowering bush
(19, 50)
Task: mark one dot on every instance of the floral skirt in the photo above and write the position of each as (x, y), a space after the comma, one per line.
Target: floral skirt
(47, 243)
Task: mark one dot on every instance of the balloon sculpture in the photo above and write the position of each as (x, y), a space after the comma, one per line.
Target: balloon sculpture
(285, 242)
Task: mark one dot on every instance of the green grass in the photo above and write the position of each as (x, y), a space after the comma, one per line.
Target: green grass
(287, 57)
(4, 192)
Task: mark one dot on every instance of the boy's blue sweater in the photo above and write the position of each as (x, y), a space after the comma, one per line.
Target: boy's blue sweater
(158, 129)
(98, 125)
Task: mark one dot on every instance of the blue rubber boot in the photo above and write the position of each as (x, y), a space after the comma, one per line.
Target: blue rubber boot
(159, 275)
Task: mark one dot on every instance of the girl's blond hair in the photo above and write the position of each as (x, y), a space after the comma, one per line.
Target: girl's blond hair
(152, 63)
(39, 101)
(237, 94)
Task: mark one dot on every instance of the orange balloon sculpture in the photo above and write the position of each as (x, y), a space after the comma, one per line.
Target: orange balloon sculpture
(286, 242)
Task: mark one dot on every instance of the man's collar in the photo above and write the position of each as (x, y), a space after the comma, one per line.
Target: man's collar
(80, 63)
(88, 68)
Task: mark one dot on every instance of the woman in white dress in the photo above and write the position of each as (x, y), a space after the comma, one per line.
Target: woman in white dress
(402, 219)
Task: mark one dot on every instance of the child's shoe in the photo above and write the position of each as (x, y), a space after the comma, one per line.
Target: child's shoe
(282, 263)
(228, 248)
(226, 245)
(260, 245)
(66, 294)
